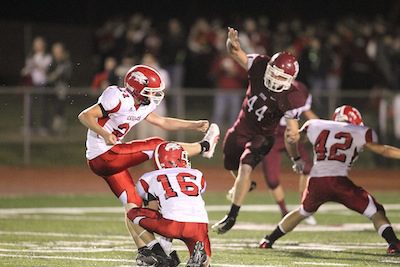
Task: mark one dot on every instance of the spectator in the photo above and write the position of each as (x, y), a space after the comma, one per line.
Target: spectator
(172, 56)
(59, 78)
(105, 78)
(34, 71)
(229, 78)
(126, 63)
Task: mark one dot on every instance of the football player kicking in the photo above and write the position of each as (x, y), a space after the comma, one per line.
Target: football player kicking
(336, 145)
(271, 95)
(175, 189)
(110, 119)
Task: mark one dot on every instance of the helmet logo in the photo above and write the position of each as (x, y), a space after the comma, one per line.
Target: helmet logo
(139, 77)
(172, 146)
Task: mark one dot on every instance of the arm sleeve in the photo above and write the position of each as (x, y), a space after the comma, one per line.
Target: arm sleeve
(250, 60)
(371, 136)
(142, 188)
(109, 100)
(203, 185)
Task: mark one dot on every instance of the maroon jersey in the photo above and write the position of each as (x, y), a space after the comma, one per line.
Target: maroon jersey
(262, 109)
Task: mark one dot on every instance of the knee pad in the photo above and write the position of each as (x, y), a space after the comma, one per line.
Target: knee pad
(256, 149)
(373, 207)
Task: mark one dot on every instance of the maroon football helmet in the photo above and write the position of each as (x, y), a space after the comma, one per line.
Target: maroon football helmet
(171, 155)
(145, 84)
(282, 70)
(348, 114)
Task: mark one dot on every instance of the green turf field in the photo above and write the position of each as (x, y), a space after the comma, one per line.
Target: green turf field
(89, 231)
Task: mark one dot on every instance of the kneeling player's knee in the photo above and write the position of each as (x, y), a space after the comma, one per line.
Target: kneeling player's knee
(136, 214)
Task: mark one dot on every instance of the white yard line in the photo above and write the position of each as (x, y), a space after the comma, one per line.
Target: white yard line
(67, 258)
(102, 210)
(320, 263)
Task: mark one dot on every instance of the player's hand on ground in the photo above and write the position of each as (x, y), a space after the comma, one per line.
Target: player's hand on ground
(232, 43)
(298, 165)
(202, 125)
(110, 139)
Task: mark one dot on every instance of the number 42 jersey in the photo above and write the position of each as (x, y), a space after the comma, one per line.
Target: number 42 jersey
(178, 191)
(336, 145)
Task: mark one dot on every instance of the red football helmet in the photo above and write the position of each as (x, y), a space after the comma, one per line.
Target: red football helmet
(145, 84)
(348, 114)
(171, 155)
(282, 70)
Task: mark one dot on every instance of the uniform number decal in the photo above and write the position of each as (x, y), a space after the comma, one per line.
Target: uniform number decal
(123, 129)
(260, 111)
(344, 143)
(184, 180)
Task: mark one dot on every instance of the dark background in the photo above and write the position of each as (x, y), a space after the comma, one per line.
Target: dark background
(74, 22)
(92, 12)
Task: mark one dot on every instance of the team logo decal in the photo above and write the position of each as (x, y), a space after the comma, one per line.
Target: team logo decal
(139, 77)
(172, 146)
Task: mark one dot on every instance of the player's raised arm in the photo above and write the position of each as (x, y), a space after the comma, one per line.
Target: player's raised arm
(234, 49)
(384, 150)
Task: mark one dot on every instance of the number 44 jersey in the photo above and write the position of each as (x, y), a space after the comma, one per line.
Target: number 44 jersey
(336, 145)
(178, 191)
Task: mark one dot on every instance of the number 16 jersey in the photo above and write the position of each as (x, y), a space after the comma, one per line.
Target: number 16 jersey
(178, 191)
(336, 145)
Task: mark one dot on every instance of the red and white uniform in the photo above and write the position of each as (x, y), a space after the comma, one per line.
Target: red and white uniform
(182, 212)
(178, 191)
(122, 116)
(112, 162)
(336, 147)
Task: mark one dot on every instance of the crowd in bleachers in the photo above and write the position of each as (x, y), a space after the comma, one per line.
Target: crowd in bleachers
(348, 53)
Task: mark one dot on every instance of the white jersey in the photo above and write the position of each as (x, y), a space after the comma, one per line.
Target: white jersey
(122, 114)
(178, 191)
(336, 145)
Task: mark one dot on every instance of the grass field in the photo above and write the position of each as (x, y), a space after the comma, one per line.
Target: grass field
(88, 230)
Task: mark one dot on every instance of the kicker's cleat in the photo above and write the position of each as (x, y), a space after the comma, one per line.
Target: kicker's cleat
(224, 225)
(146, 257)
(394, 249)
(212, 137)
(265, 243)
(198, 257)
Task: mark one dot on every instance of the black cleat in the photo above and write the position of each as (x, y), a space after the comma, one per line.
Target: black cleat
(253, 186)
(198, 257)
(224, 225)
(146, 257)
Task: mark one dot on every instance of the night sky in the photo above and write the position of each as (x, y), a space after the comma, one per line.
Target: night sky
(92, 12)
